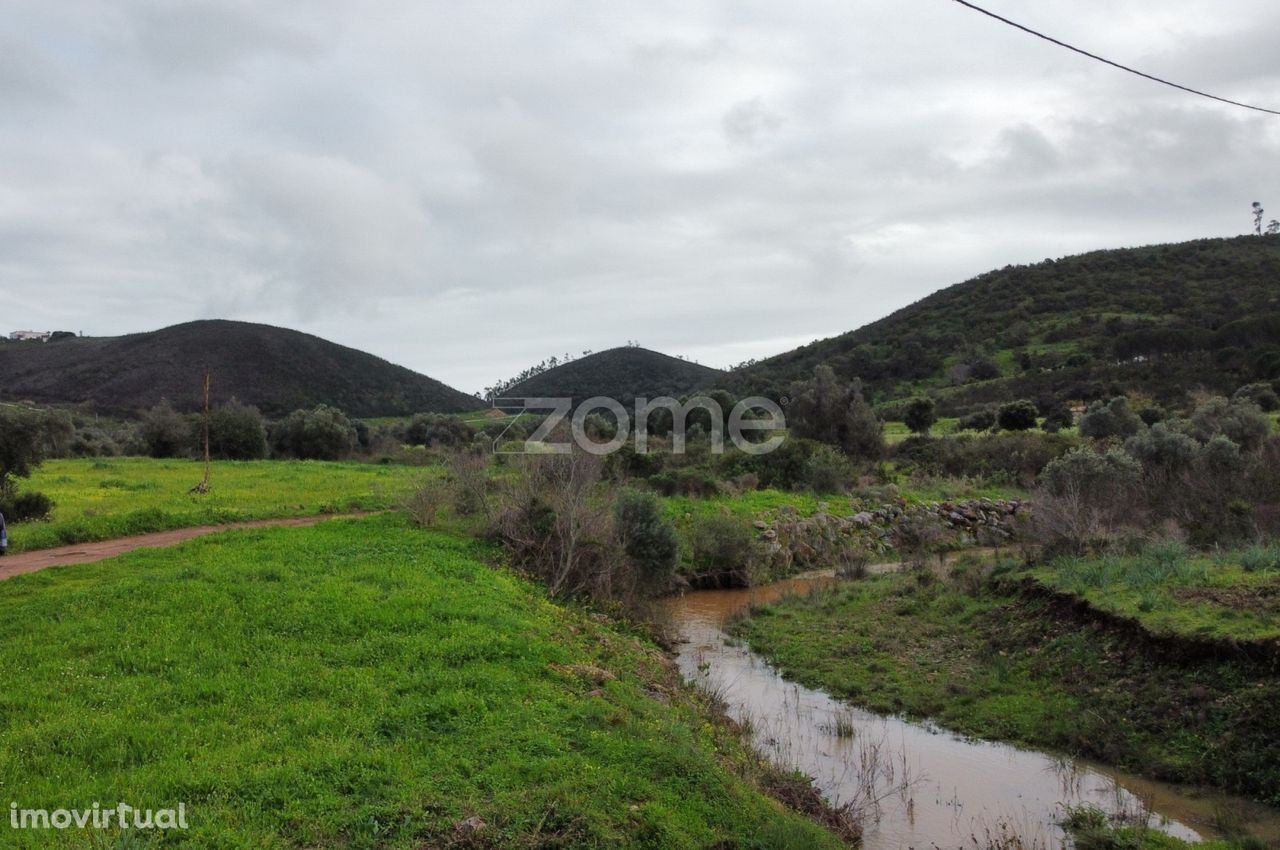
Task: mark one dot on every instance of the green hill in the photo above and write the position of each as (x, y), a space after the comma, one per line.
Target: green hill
(1162, 320)
(276, 369)
(619, 373)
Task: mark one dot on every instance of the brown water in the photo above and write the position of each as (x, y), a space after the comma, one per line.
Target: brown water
(921, 786)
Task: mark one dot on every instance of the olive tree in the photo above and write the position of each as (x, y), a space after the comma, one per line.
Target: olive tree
(920, 415)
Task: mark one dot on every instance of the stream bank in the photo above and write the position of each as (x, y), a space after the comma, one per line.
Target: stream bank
(931, 787)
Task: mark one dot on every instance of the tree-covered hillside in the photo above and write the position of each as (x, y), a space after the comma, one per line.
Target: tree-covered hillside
(275, 369)
(619, 373)
(1163, 320)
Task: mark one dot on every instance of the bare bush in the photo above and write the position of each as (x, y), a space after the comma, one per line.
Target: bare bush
(918, 536)
(469, 481)
(556, 527)
(424, 502)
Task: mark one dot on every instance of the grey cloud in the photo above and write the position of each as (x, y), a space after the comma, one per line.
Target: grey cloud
(748, 120)
(722, 180)
(208, 37)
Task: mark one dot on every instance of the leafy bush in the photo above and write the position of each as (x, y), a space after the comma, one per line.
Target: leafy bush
(1261, 394)
(689, 481)
(828, 471)
(1164, 452)
(1113, 419)
(1084, 470)
(1085, 497)
(979, 420)
(27, 437)
(1240, 421)
(647, 537)
(93, 442)
(722, 545)
(784, 468)
(1013, 457)
(1020, 415)
(165, 432)
(237, 432)
(629, 463)
(834, 412)
(1057, 417)
(437, 429)
(324, 433)
(24, 507)
(1152, 413)
(920, 415)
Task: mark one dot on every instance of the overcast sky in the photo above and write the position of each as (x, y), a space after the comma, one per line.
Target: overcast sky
(466, 188)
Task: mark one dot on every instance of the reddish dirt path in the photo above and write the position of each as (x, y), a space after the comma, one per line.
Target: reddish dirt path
(87, 553)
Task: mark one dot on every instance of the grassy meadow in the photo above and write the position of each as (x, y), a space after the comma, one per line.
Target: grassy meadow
(1232, 595)
(358, 684)
(99, 499)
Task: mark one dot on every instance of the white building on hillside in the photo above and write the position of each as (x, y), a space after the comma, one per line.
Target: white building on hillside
(28, 336)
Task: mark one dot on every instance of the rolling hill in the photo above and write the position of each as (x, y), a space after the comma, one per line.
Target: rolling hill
(276, 369)
(619, 373)
(1162, 320)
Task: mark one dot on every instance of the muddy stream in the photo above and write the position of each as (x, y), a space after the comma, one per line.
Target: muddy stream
(931, 787)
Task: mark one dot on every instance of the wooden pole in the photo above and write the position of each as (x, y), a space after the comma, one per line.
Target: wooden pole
(203, 486)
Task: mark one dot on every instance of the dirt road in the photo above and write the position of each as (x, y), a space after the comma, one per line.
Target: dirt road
(87, 553)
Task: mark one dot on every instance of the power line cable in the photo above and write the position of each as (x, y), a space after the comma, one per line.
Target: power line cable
(1164, 82)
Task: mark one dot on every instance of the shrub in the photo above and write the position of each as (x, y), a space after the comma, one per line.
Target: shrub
(165, 432)
(553, 526)
(685, 482)
(324, 433)
(828, 471)
(825, 409)
(1240, 421)
(469, 481)
(27, 437)
(24, 507)
(1057, 417)
(1020, 415)
(920, 415)
(978, 420)
(1259, 559)
(1113, 419)
(784, 468)
(424, 501)
(437, 429)
(983, 369)
(647, 537)
(723, 545)
(1015, 457)
(505, 430)
(1152, 413)
(626, 462)
(1263, 395)
(93, 442)
(1084, 498)
(237, 432)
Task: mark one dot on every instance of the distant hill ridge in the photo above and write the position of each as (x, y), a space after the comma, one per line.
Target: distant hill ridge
(1163, 320)
(275, 369)
(622, 374)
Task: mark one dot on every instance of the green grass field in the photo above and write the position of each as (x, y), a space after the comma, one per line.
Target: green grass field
(1170, 590)
(356, 684)
(115, 497)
